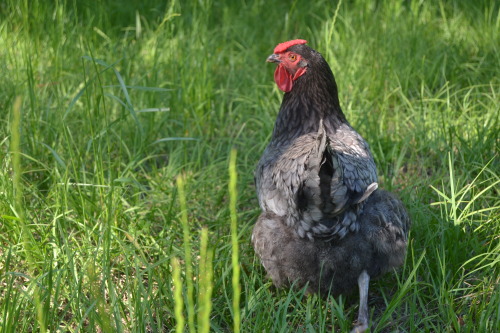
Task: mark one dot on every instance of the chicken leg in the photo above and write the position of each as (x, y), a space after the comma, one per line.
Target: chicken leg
(361, 324)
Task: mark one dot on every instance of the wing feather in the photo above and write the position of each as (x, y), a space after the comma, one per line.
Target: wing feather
(319, 182)
(347, 177)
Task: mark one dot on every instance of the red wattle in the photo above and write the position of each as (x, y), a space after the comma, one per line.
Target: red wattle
(283, 79)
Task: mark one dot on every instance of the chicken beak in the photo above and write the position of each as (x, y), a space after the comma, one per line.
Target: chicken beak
(273, 58)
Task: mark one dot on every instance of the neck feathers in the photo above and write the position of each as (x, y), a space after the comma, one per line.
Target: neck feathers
(314, 97)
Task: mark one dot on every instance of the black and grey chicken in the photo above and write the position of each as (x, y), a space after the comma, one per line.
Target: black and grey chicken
(324, 223)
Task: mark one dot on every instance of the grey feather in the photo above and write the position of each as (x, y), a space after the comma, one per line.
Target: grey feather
(378, 246)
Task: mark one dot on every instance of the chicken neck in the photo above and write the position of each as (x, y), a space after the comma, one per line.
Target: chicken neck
(314, 97)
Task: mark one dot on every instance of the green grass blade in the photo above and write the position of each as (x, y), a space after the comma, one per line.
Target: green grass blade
(235, 262)
(187, 252)
(179, 303)
(205, 283)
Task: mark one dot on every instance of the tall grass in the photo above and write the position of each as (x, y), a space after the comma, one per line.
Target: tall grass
(117, 210)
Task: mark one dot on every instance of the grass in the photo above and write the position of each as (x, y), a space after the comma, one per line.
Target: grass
(117, 127)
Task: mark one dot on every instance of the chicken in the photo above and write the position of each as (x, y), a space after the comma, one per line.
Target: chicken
(324, 223)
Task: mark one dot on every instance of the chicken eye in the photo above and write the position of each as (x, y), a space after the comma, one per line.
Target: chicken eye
(292, 57)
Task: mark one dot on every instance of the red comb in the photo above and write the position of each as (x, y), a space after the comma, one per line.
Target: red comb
(282, 47)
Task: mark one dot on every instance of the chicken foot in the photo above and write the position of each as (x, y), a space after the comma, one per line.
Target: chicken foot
(361, 325)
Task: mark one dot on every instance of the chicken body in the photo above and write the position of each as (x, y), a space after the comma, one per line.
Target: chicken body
(333, 267)
(324, 224)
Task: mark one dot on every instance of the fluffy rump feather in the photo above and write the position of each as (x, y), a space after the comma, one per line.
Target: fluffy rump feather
(332, 267)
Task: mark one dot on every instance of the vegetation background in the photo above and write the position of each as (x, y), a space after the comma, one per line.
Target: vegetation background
(117, 124)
